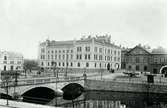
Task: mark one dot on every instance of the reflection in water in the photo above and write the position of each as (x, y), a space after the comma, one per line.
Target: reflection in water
(116, 100)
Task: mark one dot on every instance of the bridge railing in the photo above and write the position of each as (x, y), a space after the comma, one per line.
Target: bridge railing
(35, 81)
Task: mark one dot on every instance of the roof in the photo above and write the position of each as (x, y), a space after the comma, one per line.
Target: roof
(159, 50)
(142, 48)
(12, 54)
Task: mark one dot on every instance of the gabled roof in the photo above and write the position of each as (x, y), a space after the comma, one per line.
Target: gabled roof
(142, 48)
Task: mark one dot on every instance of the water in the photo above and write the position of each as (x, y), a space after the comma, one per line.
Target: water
(101, 99)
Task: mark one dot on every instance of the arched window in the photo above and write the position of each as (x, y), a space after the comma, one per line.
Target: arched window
(95, 64)
(4, 68)
(87, 64)
(78, 64)
(145, 68)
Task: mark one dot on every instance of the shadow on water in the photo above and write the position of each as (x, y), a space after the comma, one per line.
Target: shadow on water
(103, 99)
(5, 96)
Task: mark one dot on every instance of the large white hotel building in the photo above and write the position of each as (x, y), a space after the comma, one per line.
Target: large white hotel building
(91, 53)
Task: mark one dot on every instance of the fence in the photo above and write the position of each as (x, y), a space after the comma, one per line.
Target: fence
(24, 82)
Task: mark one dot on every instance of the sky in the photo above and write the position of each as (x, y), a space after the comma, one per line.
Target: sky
(26, 23)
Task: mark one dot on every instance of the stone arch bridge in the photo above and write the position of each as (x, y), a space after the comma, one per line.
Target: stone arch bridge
(51, 83)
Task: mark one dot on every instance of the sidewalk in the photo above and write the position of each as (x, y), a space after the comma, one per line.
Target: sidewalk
(15, 104)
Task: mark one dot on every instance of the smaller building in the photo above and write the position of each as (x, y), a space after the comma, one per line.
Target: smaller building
(144, 59)
(11, 61)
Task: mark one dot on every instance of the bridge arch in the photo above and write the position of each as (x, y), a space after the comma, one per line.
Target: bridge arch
(162, 69)
(40, 95)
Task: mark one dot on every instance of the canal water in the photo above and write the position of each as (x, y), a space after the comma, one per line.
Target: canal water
(103, 99)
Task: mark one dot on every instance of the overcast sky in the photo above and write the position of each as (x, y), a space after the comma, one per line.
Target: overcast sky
(25, 23)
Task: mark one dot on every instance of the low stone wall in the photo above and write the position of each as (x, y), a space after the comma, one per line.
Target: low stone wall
(124, 86)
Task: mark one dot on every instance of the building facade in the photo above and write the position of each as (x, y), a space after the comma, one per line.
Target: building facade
(144, 59)
(90, 53)
(10, 61)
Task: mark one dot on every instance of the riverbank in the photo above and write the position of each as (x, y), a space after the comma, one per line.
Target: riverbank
(104, 85)
(16, 104)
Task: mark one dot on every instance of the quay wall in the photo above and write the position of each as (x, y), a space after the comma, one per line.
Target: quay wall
(103, 85)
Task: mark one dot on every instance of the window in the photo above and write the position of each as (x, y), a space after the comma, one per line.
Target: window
(95, 57)
(5, 57)
(67, 51)
(87, 64)
(11, 67)
(89, 56)
(67, 64)
(87, 49)
(59, 64)
(4, 68)
(71, 56)
(129, 67)
(79, 49)
(118, 59)
(55, 56)
(63, 63)
(95, 64)
(108, 51)
(111, 58)
(115, 52)
(100, 65)
(71, 64)
(63, 57)
(59, 57)
(145, 68)
(85, 56)
(118, 52)
(52, 51)
(52, 56)
(59, 51)
(55, 51)
(100, 57)
(71, 51)
(5, 62)
(78, 64)
(80, 56)
(137, 67)
(108, 58)
(48, 64)
(48, 51)
(63, 51)
(48, 57)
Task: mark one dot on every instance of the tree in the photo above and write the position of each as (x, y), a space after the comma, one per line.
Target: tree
(6, 79)
(29, 65)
